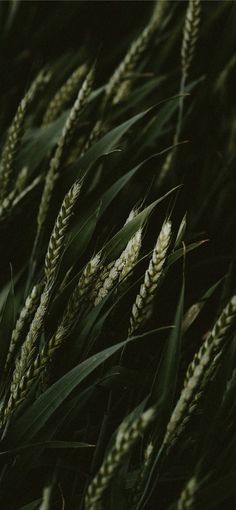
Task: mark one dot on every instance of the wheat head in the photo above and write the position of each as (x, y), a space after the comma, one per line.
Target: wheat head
(64, 95)
(15, 133)
(125, 439)
(148, 288)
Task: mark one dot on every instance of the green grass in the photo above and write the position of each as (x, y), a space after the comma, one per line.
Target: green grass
(117, 235)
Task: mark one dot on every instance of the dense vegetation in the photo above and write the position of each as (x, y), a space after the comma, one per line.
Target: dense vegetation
(117, 235)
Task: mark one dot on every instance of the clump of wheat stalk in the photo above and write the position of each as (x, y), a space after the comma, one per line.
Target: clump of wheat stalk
(190, 36)
(24, 378)
(56, 243)
(64, 95)
(141, 307)
(52, 261)
(200, 373)
(15, 133)
(62, 147)
(120, 82)
(187, 496)
(125, 439)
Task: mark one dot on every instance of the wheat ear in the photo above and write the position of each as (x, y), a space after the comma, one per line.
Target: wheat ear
(72, 309)
(141, 307)
(15, 133)
(26, 356)
(25, 359)
(64, 95)
(137, 489)
(8, 202)
(98, 130)
(187, 496)
(215, 338)
(25, 317)
(111, 278)
(41, 361)
(62, 147)
(125, 439)
(101, 277)
(115, 271)
(190, 36)
(57, 239)
(131, 254)
(199, 373)
(118, 86)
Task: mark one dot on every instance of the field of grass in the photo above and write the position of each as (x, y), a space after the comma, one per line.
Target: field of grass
(117, 255)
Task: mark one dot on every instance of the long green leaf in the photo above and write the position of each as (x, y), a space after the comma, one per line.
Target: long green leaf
(26, 427)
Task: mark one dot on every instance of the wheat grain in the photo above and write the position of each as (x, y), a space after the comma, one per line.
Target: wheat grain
(15, 133)
(187, 497)
(46, 499)
(125, 439)
(148, 288)
(199, 373)
(62, 147)
(57, 239)
(64, 95)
